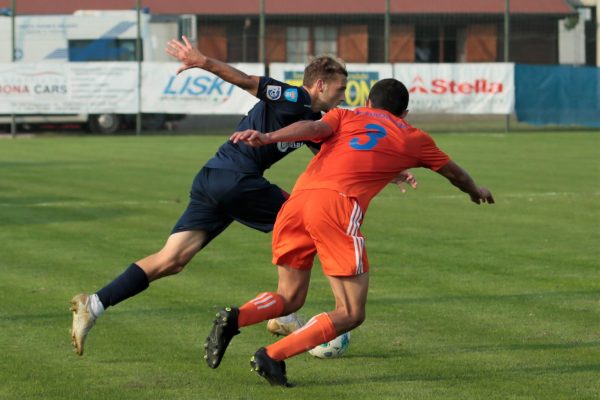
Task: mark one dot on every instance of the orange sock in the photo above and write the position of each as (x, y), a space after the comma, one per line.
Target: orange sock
(265, 306)
(318, 330)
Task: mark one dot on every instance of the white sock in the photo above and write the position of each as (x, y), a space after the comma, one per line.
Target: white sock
(96, 305)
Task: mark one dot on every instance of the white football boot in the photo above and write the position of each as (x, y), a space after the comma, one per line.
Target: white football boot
(83, 321)
(284, 325)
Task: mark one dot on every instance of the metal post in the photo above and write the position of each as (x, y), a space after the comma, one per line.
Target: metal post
(507, 49)
(261, 33)
(386, 32)
(598, 33)
(138, 57)
(13, 11)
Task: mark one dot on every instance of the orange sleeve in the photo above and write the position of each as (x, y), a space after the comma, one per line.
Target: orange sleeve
(430, 155)
(333, 118)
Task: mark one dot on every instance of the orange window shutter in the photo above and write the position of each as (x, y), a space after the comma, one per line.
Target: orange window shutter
(353, 43)
(212, 41)
(481, 44)
(402, 43)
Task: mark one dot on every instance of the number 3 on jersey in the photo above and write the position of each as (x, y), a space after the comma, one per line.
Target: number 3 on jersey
(374, 133)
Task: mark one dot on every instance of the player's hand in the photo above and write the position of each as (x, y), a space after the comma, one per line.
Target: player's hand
(405, 177)
(482, 196)
(189, 56)
(251, 137)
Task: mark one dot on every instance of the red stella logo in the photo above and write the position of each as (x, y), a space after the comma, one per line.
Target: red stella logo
(443, 86)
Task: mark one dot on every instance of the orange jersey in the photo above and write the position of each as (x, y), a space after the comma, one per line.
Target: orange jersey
(368, 148)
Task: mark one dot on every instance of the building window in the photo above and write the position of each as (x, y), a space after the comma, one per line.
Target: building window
(325, 40)
(427, 44)
(303, 42)
(297, 44)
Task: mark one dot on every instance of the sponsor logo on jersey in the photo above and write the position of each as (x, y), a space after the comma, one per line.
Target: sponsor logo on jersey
(291, 95)
(285, 146)
(273, 92)
(444, 86)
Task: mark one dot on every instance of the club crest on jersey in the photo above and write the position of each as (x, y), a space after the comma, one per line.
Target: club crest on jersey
(285, 146)
(291, 95)
(273, 92)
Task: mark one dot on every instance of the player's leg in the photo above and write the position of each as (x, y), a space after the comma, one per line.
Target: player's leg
(334, 224)
(296, 250)
(257, 205)
(198, 225)
(350, 296)
(176, 253)
(290, 296)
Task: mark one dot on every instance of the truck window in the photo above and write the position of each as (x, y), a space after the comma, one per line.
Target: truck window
(104, 49)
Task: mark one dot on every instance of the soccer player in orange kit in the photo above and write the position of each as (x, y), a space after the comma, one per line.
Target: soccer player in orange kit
(362, 150)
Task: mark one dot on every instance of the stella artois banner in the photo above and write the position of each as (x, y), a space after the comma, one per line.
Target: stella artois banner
(475, 88)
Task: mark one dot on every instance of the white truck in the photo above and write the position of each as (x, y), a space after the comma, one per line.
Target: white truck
(91, 36)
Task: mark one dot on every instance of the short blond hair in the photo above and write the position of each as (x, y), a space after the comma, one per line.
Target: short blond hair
(325, 68)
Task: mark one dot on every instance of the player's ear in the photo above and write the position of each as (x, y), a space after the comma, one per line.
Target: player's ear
(404, 114)
(369, 104)
(320, 84)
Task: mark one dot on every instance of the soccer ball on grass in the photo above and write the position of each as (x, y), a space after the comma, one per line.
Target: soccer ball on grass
(333, 348)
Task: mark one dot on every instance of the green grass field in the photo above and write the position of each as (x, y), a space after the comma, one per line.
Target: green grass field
(466, 301)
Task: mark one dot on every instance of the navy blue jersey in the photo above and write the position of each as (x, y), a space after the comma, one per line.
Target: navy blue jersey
(280, 105)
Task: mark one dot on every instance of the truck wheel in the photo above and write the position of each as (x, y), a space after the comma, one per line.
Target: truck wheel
(104, 123)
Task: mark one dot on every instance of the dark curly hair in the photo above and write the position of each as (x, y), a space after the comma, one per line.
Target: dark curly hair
(390, 95)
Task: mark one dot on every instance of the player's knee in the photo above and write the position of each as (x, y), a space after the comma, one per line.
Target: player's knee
(353, 318)
(174, 264)
(356, 318)
(292, 303)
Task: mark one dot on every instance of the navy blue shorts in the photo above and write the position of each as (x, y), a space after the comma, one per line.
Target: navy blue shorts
(219, 197)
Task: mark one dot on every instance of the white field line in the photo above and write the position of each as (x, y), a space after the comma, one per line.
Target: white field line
(497, 195)
(83, 204)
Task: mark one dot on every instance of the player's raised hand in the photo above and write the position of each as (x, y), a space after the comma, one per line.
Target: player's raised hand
(188, 55)
(250, 137)
(483, 196)
(405, 177)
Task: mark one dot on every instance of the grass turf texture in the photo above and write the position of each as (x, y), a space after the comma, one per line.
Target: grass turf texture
(465, 302)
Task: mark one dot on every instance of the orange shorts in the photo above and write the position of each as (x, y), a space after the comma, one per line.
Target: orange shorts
(323, 222)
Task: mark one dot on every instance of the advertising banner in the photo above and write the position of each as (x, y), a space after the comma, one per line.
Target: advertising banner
(58, 88)
(361, 77)
(111, 87)
(193, 91)
(474, 88)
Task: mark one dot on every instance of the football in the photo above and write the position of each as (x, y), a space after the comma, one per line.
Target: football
(333, 348)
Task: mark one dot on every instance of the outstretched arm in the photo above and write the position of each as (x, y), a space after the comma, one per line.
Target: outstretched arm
(191, 57)
(298, 131)
(461, 179)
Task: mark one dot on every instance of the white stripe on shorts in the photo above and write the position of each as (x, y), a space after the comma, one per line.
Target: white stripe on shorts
(359, 242)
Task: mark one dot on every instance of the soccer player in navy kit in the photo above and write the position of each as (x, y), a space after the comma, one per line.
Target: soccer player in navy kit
(231, 186)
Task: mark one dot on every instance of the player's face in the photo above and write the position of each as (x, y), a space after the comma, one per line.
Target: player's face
(333, 92)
